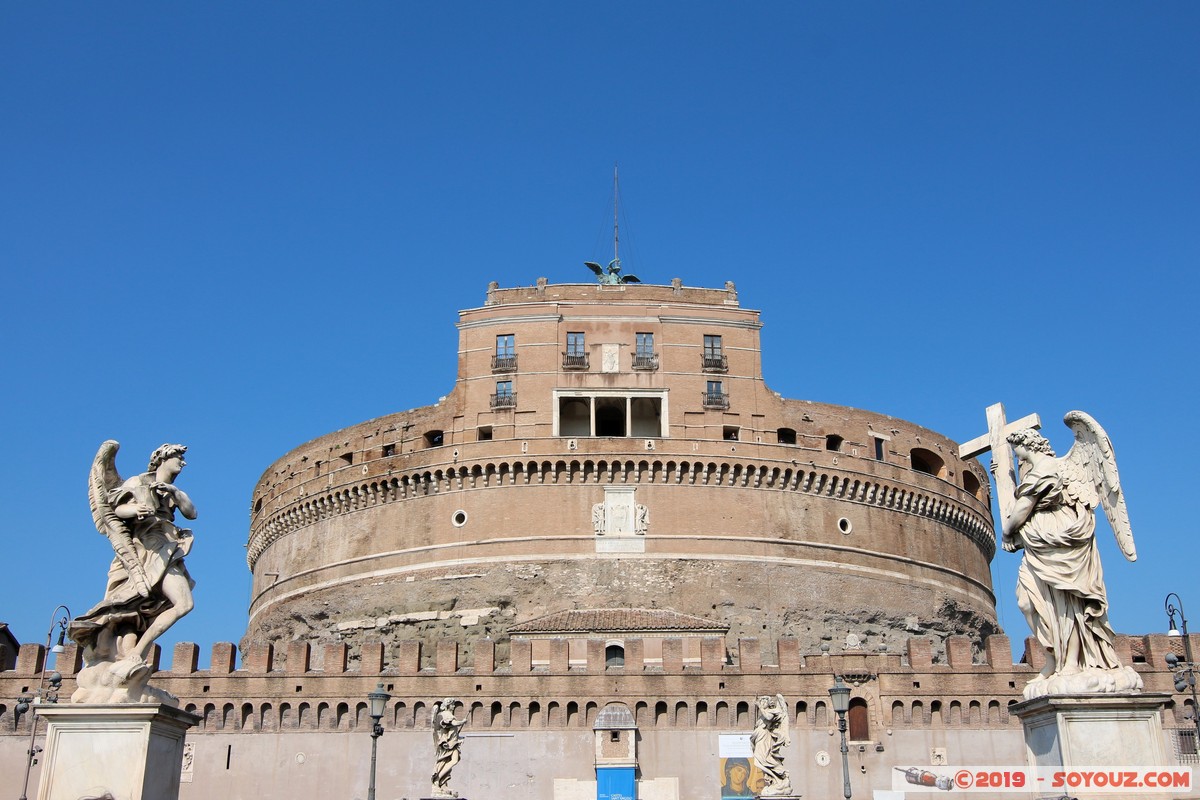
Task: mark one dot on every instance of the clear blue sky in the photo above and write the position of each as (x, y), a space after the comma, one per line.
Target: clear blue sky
(243, 225)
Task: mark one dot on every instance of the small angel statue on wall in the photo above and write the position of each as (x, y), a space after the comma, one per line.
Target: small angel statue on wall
(1051, 515)
(148, 588)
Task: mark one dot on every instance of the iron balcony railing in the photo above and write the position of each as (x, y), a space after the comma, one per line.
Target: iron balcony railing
(716, 400)
(504, 400)
(575, 361)
(714, 362)
(504, 363)
(645, 361)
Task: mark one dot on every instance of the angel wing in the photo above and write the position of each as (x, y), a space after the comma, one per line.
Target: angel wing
(630, 279)
(594, 267)
(1093, 466)
(102, 480)
(785, 722)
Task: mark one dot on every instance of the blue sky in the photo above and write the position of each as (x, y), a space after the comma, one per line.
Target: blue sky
(242, 225)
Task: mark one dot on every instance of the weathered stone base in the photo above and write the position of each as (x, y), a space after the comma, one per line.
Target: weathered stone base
(129, 751)
(1094, 730)
(1123, 680)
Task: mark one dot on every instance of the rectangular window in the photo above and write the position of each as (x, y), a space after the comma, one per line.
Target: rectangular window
(714, 359)
(504, 397)
(714, 395)
(879, 448)
(575, 344)
(505, 358)
(645, 345)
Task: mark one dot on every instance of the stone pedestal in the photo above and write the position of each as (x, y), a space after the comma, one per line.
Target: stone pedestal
(1094, 730)
(133, 752)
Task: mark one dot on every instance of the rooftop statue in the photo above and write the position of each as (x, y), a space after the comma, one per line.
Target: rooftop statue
(148, 589)
(610, 275)
(770, 735)
(447, 745)
(1051, 515)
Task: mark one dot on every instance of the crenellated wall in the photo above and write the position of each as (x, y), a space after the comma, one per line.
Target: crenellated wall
(324, 688)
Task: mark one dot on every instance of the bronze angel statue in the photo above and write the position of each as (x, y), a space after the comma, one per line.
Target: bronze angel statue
(1060, 585)
(611, 275)
(148, 588)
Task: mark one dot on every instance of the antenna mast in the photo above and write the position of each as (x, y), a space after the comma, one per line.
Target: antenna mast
(616, 239)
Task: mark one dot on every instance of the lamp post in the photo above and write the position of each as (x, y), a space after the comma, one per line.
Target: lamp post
(839, 694)
(378, 701)
(1185, 672)
(43, 693)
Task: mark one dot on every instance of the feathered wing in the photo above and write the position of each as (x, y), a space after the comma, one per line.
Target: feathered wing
(785, 723)
(1091, 458)
(630, 279)
(594, 267)
(102, 480)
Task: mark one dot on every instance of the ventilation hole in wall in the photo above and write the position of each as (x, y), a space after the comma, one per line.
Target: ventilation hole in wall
(460, 518)
(844, 526)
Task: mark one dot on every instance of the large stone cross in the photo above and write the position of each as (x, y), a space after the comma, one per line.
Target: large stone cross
(995, 441)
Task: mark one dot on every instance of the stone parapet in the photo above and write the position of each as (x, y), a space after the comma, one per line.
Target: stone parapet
(903, 691)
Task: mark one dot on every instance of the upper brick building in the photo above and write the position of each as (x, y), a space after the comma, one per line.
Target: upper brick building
(616, 447)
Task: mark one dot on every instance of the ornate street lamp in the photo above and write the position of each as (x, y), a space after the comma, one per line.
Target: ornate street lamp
(44, 693)
(378, 701)
(1185, 671)
(839, 694)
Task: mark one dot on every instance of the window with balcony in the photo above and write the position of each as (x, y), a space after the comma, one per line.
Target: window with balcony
(713, 359)
(644, 356)
(504, 397)
(715, 397)
(576, 356)
(505, 357)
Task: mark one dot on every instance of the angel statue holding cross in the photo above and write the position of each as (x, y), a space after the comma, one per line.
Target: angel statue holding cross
(1051, 515)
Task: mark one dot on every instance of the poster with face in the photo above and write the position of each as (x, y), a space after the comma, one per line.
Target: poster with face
(740, 778)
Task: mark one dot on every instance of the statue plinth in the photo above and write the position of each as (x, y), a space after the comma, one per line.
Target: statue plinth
(132, 750)
(1094, 730)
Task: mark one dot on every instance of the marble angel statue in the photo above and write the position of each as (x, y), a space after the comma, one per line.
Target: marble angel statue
(447, 745)
(148, 588)
(1060, 584)
(770, 736)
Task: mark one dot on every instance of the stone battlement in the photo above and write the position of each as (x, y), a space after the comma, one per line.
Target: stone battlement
(745, 656)
(323, 687)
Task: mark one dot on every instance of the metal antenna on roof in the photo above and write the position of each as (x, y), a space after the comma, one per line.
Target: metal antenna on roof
(616, 238)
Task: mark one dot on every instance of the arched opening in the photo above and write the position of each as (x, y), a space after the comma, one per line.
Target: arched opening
(433, 438)
(614, 656)
(971, 484)
(928, 462)
(860, 726)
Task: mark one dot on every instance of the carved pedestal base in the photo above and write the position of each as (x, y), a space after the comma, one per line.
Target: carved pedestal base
(132, 751)
(1093, 730)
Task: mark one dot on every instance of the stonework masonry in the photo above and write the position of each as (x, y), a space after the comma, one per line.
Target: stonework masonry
(610, 507)
(272, 731)
(765, 515)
